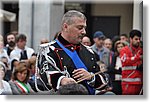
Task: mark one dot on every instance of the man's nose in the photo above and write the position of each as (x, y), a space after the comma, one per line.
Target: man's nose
(138, 40)
(83, 31)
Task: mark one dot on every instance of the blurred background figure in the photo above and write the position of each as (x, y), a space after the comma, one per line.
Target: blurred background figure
(44, 40)
(3, 53)
(19, 83)
(107, 90)
(86, 41)
(4, 85)
(114, 40)
(132, 65)
(8, 71)
(124, 38)
(108, 44)
(11, 43)
(99, 48)
(5, 59)
(31, 81)
(21, 52)
(116, 69)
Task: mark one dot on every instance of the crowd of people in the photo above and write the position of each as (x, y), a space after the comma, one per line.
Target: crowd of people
(71, 64)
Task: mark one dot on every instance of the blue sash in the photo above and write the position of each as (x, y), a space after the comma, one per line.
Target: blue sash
(78, 63)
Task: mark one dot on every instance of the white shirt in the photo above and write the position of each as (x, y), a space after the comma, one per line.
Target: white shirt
(15, 54)
(118, 65)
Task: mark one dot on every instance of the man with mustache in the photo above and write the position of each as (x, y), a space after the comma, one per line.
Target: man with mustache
(11, 43)
(132, 59)
(71, 60)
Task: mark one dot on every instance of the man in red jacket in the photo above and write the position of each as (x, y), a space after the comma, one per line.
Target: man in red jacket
(132, 67)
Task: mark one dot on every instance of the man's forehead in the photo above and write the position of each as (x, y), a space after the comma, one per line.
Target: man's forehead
(136, 37)
(78, 19)
(79, 22)
(11, 35)
(123, 37)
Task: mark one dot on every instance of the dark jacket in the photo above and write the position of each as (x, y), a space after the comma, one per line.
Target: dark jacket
(59, 58)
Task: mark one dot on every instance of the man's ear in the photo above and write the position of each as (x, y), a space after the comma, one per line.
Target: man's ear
(130, 39)
(65, 26)
(94, 39)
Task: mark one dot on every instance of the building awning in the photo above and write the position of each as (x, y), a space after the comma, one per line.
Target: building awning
(7, 16)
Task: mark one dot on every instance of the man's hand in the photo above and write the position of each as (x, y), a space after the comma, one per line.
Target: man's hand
(65, 81)
(80, 74)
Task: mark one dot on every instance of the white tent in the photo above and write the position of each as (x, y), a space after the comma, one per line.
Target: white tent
(7, 16)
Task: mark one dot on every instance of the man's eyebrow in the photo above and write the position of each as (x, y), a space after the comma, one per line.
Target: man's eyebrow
(81, 26)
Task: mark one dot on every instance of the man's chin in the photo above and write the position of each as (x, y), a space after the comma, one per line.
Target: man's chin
(136, 45)
(79, 41)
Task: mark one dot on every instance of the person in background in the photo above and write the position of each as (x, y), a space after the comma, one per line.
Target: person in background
(114, 40)
(108, 44)
(5, 59)
(44, 40)
(4, 85)
(107, 90)
(132, 65)
(31, 81)
(11, 43)
(116, 69)
(21, 51)
(98, 47)
(19, 83)
(124, 38)
(3, 52)
(8, 71)
(86, 41)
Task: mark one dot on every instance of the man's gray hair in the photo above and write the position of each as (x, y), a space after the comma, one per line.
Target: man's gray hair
(67, 18)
